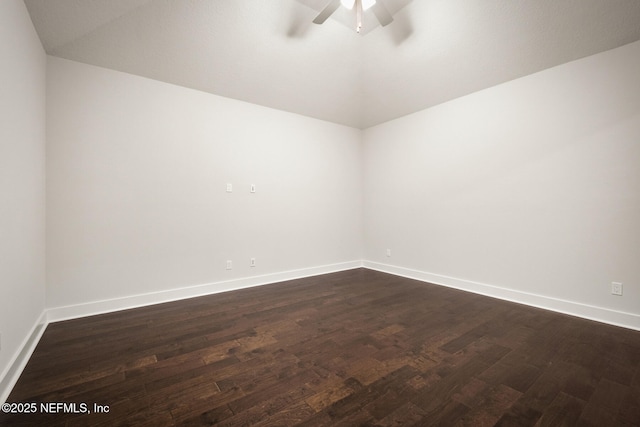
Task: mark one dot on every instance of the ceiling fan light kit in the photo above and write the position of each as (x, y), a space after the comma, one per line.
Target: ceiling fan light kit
(366, 4)
(360, 6)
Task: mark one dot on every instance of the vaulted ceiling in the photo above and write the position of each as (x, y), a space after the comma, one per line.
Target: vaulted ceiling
(268, 52)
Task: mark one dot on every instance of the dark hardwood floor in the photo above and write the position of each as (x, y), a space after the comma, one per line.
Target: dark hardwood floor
(345, 349)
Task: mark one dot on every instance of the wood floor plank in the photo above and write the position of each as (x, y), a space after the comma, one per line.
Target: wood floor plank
(357, 347)
(564, 410)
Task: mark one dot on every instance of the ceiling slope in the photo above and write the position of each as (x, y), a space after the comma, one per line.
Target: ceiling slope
(268, 52)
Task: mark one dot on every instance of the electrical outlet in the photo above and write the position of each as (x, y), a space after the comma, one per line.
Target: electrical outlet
(616, 288)
(388, 252)
(229, 265)
(252, 262)
(229, 188)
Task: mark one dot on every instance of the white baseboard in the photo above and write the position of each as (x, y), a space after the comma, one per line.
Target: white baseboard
(12, 373)
(19, 361)
(57, 314)
(599, 314)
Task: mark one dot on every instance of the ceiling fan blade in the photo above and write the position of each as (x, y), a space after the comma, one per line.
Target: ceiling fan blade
(382, 13)
(327, 11)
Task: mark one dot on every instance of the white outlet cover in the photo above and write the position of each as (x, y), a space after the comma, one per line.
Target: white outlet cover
(616, 288)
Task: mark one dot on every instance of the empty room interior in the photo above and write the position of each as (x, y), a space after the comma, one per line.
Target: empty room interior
(320, 212)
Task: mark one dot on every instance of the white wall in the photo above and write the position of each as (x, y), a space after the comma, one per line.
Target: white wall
(136, 175)
(22, 186)
(532, 187)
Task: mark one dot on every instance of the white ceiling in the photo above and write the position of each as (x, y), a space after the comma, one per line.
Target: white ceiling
(268, 52)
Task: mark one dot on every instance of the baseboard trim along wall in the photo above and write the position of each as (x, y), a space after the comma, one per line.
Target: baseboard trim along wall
(12, 373)
(599, 314)
(57, 314)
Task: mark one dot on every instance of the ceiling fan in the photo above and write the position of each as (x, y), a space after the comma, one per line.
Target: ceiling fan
(381, 12)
